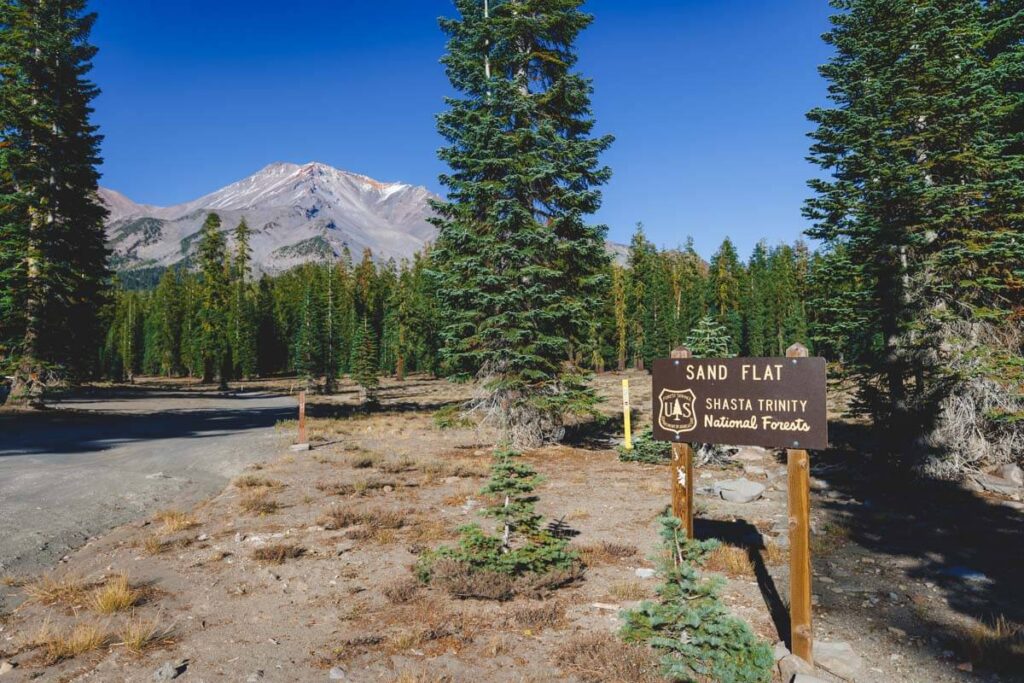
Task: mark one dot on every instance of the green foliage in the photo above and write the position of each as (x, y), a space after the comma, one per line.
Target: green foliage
(53, 254)
(523, 546)
(922, 213)
(364, 360)
(517, 264)
(690, 625)
(709, 339)
(646, 449)
(451, 417)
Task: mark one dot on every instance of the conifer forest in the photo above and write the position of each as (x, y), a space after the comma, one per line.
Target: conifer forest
(418, 432)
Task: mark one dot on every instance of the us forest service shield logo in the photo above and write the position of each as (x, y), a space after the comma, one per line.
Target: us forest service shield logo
(676, 411)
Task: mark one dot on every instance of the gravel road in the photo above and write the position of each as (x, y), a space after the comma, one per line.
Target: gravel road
(96, 462)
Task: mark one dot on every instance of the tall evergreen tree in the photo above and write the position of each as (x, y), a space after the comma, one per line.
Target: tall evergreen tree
(53, 272)
(243, 329)
(923, 206)
(365, 370)
(518, 261)
(727, 283)
(212, 340)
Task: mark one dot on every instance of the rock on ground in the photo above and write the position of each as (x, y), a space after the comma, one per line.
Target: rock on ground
(739, 490)
(838, 658)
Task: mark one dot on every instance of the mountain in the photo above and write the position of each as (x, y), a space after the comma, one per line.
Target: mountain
(296, 213)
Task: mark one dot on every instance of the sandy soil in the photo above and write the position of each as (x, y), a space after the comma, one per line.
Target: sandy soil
(888, 581)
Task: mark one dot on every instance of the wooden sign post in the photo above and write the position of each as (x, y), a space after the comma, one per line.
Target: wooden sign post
(770, 402)
(682, 472)
(628, 443)
(302, 418)
(798, 464)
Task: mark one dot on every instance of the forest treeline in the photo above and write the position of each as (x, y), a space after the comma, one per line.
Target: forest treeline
(324, 320)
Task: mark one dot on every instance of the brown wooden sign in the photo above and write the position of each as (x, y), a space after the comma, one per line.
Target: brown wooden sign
(772, 402)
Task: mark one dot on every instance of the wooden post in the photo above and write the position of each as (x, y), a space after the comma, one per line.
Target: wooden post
(628, 444)
(799, 466)
(682, 472)
(302, 418)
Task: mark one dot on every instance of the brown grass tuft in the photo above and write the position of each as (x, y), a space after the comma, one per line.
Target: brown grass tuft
(116, 595)
(774, 554)
(277, 553)
(601, 657)
(461, 581)
(154, 545)
(605, 552)
(536, 617)
(629, 590)
(253, 481)
(138, 635)
(994, 644)
(402, 590)
(258, 503)
(58, 645)
(174, 521)
(730, 560)
(68, 591)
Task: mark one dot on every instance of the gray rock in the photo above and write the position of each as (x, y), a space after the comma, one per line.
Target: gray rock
(998, 485)
(299, 447)
(645, 573)
(1010, 472)
(203, 537)
(337, 674)
(781, 650)
(805, 678)
(255, 676)
(170, 670)
(6, 666)
(739, 490)
(791, 665)
(966, 574)
(751, 454)
(755, 471)
(839, 659)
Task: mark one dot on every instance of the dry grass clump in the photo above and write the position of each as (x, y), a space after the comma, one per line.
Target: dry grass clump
(116, 595)
(629, 590)
(154, 545)
(277, 553)
(605, 552)
(462, 581)
(66, 590)
(402, 590)
(829, 538)
(254, 481)
(58, 644)
(427, 530)
(363, 460)
(395, 466)
(439, 468)
(996, 644)
(12, 581)
(601, 658)
(174, 521)
(774, 554)
(139, 635)
(535, 617)
(258, 502)
(373, 520)
(730, 560)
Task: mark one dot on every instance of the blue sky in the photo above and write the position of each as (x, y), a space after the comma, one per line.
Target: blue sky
(706, 100)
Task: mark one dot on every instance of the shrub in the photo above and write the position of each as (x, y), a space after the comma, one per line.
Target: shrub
(698, 637)
(452, 417)
(646, 449)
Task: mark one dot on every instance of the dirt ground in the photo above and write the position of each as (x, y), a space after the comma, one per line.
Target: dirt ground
(920, 578)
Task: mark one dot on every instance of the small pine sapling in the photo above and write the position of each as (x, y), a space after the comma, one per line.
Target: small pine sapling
(523, 548)
(688, 623)
(646, 449)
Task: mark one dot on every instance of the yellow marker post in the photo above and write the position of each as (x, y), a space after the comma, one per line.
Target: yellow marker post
(625, 414)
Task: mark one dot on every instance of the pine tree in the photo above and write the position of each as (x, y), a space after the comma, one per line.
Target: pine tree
(53, 272)
(365, 370)
(517, 261)
(243, 330)
(709, 339)
(727, 282)
(169, 314)
(923, 207)
(211, 335)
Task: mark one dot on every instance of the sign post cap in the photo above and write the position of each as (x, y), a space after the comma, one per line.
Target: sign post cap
(797, 350)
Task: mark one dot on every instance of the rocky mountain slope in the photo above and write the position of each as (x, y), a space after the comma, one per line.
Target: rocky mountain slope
(297, 213)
